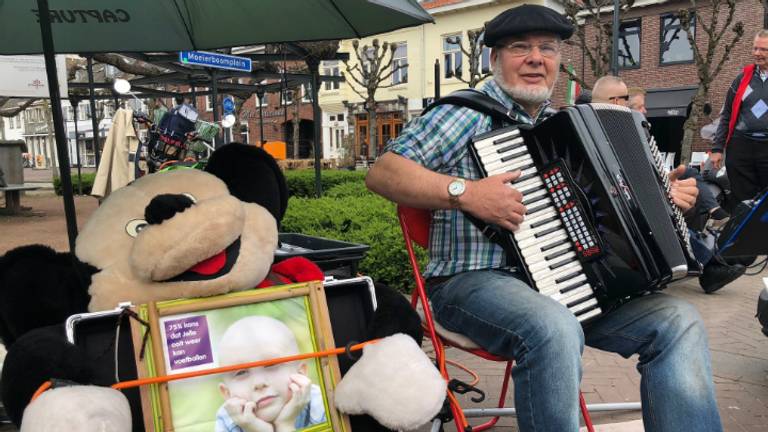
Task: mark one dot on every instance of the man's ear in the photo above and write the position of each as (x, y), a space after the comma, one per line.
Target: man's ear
(224, 390)
(494, 54)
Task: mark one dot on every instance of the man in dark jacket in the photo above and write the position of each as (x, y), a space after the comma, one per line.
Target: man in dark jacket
(743, 128)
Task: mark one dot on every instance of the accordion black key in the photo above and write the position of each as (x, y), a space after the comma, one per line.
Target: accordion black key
(600, 225)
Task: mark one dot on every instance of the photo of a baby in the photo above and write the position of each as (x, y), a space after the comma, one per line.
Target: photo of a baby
(283, 397)
(278, 398)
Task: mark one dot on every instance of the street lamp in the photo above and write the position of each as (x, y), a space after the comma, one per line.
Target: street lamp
(260, 94)
(615, 42)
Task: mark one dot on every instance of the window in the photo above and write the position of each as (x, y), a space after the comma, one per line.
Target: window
(261, 101)
(368, 57)
(339, 137)
(244, 133)
(69, 114)
(675, 47)
(331, 69)
(452, 56)
(485, 55)
(306, 96)
(84, 111)
(340, 117)
(400, 64)
(287, 97)
(208, 102)
(629, 44)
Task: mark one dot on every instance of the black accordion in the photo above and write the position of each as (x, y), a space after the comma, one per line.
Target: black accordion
(600, 225)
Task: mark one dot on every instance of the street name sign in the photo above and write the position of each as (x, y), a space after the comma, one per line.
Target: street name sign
(215, 60)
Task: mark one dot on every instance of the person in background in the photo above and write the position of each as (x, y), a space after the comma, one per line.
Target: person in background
(743, 128)
(637, 100)
(158, 111)
(611, 90)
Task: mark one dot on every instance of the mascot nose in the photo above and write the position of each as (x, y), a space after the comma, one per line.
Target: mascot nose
(166, 206)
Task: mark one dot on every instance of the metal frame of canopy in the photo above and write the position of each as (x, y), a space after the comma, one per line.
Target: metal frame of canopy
(168, 61)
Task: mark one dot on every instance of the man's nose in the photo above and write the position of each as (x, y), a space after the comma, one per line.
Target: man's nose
(534, 57)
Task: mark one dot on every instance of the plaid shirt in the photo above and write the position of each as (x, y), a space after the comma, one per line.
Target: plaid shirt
(438, 140)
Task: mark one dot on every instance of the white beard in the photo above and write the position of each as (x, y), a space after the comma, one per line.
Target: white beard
(523, 95)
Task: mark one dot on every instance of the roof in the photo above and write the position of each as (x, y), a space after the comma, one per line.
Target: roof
(669, 102)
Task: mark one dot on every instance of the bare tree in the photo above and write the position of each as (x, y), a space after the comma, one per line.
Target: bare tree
(474, 52)
(593, 35)
(373, 67)
(10, 107)
(710, 57)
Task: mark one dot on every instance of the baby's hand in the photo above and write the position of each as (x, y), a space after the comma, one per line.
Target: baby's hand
(242, 413)
(300, 387)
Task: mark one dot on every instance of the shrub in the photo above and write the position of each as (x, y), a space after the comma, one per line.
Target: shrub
(87, 179)
(301, 183)
(348, 189)
(366, 219)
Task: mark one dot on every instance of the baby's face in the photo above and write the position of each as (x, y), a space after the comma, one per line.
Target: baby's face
(266, 386)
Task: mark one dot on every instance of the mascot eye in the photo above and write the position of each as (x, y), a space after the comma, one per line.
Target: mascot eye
(190, 196)
(134, 227)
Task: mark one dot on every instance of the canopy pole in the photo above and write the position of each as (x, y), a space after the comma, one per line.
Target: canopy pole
(94, 120)
(283, 100)
(58, 122)
(75, 103)
(215, 97)
(192, 91)
(314, 69)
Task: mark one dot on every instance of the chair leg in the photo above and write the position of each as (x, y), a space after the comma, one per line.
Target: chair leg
(502, 398)
(585, 413)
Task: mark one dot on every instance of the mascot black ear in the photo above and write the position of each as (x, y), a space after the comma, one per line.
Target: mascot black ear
(38, 356)
(40, 287)
(252, 175)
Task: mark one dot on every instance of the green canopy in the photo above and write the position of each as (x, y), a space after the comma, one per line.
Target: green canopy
(90, 26)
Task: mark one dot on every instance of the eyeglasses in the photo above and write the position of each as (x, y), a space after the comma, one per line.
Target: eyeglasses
(760, 50)
(625, 97)
(519, 49)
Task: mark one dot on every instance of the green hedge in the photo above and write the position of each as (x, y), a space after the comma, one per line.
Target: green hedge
(347, 214)
(87, 183)
(301, 183)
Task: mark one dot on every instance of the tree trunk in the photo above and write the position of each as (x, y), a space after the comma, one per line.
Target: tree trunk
(296, 124)
(691, 125)
(373, 149)
(50, 138)
(2, 129)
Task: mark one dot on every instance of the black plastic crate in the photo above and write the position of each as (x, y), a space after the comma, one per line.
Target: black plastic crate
(332, 256)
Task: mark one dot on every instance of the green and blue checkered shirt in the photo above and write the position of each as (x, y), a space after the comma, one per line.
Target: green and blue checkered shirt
(439, 140)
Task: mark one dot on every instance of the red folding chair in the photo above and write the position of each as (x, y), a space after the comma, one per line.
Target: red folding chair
(415, 226)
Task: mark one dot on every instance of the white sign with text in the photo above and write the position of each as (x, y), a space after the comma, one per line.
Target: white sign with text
(24, 76)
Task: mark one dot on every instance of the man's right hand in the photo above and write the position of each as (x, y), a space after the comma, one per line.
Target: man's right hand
(495, 201)
(717, 160)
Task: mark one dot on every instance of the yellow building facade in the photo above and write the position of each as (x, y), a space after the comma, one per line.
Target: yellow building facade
(345, 122)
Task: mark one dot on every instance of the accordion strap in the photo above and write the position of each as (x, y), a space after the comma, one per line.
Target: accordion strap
(477, 101)
(500, 117)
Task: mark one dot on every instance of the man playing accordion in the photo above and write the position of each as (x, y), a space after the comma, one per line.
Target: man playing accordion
(474, 292)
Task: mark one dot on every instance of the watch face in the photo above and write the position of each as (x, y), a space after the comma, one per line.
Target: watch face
(456, 188)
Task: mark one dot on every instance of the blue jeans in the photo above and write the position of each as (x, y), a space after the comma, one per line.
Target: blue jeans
(503, 315)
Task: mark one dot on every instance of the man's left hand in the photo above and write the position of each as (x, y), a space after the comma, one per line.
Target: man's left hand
(683, 192)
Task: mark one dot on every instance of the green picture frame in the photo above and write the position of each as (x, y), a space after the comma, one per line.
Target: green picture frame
(197, 334)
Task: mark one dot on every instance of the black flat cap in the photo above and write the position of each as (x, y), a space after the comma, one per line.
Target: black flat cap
(525, 19)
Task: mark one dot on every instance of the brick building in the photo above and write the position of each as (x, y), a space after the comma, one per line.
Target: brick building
(278, 113)
(669, 74)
